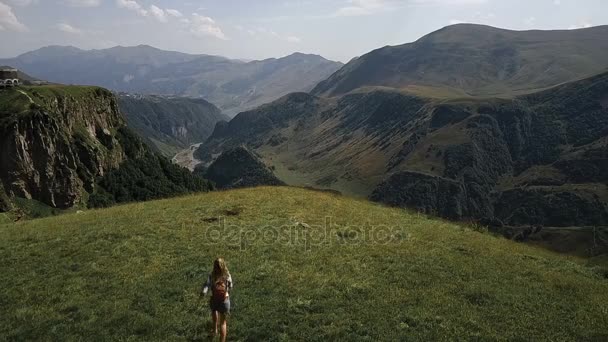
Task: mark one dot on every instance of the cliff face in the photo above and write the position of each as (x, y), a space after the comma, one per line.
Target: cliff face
(170, 124)
(69, 145)
(55, 141)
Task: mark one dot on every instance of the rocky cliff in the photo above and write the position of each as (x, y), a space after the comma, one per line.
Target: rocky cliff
(57, 142)
(169, 124)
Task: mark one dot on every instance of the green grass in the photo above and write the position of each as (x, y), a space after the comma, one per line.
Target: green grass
(132, 273)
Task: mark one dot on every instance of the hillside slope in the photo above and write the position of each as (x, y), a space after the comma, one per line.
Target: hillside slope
(239, 168)
(169, 124)
(538, 159)
(230, 84)
(133, 272)
(479, 60)
(68, 146)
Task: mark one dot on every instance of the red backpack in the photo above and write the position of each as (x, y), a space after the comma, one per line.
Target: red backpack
(220, 290)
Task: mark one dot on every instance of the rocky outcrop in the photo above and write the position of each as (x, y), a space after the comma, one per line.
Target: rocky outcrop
(521, 161)
(57, 141)
(425, 193)
(240, 168)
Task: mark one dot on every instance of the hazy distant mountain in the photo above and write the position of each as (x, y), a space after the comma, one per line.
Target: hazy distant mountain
(170, 124)
(478, 60)
(232, 85)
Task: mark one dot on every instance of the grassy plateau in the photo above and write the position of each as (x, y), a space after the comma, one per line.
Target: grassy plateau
(307, 266)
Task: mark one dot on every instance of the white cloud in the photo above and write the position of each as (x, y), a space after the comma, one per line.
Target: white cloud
(8, 20)
(67, 28)
(201, 25)
(158, 13)
(133, 6)
(82, 3)
(174, 13)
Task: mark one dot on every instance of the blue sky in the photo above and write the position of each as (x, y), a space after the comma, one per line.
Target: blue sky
(255, 29)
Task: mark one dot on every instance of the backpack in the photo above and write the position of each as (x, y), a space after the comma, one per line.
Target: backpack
(219, 290)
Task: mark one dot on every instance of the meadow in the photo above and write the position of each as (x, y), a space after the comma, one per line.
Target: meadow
(307, 266)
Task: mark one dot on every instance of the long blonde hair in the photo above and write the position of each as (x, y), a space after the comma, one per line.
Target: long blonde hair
(219, 269)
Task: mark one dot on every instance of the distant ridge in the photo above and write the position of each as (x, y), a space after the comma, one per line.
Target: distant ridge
(232, 85)
(481, 60)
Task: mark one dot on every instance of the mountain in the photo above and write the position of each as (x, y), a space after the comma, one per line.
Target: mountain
(232, 85)
(239, 168)
(303, 260)
(69, 146)
(534, 160)
(478, 60)
(169, 124)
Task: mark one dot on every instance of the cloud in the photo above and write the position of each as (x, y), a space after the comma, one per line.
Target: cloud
(82, 3)
(158, 13)
(8, 20)
(67, 28)
(203, 26)
(133, 6)
(174, 13)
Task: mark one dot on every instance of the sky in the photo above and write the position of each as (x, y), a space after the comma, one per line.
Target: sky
(257, 29)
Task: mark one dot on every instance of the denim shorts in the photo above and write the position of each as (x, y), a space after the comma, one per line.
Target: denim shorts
(221, 307)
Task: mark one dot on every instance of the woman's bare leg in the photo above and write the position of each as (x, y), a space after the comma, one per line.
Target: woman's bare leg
(223, 327)
(214, 315)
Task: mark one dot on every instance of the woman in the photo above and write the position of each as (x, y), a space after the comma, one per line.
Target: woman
(220, 283)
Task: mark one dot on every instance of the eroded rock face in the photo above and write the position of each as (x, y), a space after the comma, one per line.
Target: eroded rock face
(540, 159)
(426, 193)
(56, 144)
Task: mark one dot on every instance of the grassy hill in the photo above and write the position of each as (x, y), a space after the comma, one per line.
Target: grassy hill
(132, 272)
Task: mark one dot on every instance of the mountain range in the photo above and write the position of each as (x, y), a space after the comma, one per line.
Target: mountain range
(232, 85)
(475, 60)
(380, 129)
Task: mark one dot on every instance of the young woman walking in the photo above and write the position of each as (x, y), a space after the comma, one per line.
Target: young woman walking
(220, 284)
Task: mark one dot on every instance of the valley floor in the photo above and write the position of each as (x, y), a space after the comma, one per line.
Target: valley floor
(185, 158)
(307, 266)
